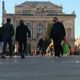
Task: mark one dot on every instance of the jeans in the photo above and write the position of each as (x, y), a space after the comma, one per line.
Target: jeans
(9, 42)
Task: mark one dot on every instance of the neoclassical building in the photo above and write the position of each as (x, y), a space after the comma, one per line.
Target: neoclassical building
(37, 15)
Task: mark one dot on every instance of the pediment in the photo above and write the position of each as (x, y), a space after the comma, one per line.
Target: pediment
(35, 3)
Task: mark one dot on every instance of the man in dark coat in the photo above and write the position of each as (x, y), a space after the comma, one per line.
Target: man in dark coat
(21, 37)
(7, 34)
(57, 34)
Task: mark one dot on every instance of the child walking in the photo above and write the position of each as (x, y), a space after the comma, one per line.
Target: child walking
(66, 47)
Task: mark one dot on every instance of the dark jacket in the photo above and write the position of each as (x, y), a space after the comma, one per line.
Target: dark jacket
(0, 34)
(57, 31)
(21, 32)
(7, 31)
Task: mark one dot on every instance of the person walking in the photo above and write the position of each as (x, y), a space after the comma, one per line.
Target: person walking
(40, 46)
(7, 34)
(66, 47)
(21, 37)
(57, 34)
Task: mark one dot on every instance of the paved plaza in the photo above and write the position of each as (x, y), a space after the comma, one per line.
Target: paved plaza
(40, 68)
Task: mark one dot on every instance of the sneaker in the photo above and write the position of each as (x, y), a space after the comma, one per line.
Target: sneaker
(57, 56)
(22, 57)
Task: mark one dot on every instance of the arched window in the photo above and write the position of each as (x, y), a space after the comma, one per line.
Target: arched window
(69, 32)
(40, 30)
(29, 27)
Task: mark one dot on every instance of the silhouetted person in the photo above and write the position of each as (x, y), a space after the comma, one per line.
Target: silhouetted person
(57, 34)
(21, 37)
(40, 46)
(7, 34)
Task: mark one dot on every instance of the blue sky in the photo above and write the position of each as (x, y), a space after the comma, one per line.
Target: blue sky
(68, 7)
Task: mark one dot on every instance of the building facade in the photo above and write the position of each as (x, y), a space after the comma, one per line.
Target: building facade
(38, 15)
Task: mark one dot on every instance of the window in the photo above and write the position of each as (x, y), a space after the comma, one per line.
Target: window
(29, 27)
(50, 11)
(69, 31)
(26, 11)
(40, 30)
